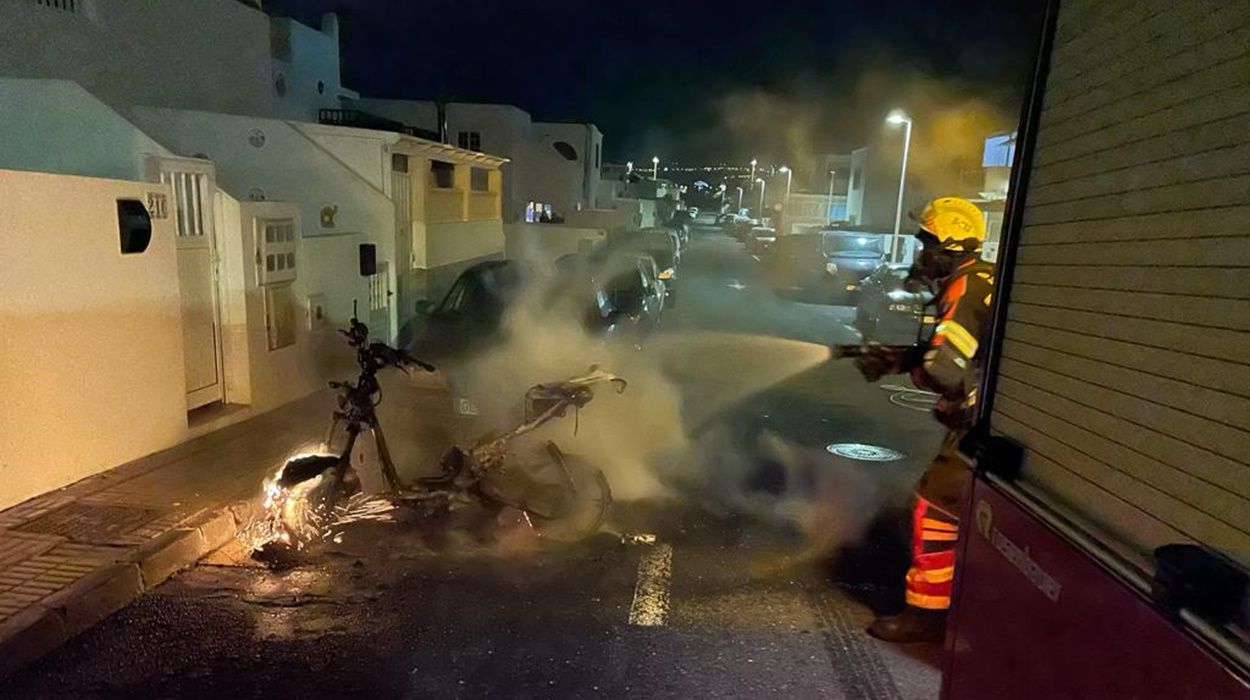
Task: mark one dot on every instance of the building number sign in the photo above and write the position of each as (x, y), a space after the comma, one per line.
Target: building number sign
(157, 207)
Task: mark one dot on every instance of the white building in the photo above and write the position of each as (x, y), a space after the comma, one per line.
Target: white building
(212, 55)
(200, 119)
(554, 167)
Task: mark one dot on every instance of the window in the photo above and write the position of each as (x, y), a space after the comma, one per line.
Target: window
(598, 146)
(479, 180)
(276, 242)
(472, 140)
(443, 173)
(399, 162)
(565, 149)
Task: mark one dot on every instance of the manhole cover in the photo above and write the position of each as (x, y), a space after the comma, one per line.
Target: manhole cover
(91, 522)
(863, 453)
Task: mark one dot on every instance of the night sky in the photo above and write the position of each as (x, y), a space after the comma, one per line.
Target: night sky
(690, 79)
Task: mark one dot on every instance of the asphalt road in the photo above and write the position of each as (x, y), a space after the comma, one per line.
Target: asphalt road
(747, 568)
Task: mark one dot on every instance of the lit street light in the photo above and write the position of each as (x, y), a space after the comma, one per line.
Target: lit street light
(629, 168)
(898, 117)
(655, 168)
(785, 204)
(762, 185)
(754, 162)
(829, 205)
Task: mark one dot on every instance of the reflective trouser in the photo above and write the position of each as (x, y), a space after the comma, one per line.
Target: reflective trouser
(932, 571)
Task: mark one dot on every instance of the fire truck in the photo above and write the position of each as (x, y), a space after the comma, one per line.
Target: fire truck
(1106, 537)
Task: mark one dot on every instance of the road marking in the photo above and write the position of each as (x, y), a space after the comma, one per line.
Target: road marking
(655, 569)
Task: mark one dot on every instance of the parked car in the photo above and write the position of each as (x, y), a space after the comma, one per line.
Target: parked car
(662, 244)
(736, 225)
(795, 268)
(851, 256)
(610, 294)
(629, 295)
(679, 223)
(888, 313)
(759, 240)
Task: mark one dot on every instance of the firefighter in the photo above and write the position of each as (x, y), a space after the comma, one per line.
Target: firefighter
(949, 264)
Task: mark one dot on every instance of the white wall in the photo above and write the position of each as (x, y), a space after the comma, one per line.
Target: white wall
(91, 365)
(554, 179)
(192, 54)
(293, 167)
(609, 219)
(537, 172)
(546, 242)
(57, 126)
(313, 64)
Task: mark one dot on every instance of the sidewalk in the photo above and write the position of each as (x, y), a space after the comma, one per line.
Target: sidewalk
(71, 557)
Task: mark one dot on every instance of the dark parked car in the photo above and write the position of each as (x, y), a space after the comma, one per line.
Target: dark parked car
(851, 256)
(759, 240)
(735, 225)
(610, 294)
(663, 245)
(795, 268)
(629, 295)
(888, 313)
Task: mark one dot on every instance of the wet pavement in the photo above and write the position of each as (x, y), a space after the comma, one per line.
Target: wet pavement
(769, 556)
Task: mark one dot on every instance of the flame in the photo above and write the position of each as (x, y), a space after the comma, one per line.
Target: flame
(294, 517)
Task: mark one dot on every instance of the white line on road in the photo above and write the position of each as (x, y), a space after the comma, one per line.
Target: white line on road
(655, 569)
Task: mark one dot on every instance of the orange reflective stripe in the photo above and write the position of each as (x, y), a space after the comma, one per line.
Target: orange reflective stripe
(938, 536)
(932, 524)
(929, 580)
(929, 602)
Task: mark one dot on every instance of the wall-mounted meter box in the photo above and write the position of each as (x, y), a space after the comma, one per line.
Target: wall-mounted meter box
(275, 250)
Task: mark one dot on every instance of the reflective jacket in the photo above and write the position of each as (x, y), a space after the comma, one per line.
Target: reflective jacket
(953, 359)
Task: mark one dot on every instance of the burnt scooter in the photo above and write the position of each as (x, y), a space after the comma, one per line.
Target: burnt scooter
(561, 496)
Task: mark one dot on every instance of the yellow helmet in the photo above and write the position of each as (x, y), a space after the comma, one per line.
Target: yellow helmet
(954, 221)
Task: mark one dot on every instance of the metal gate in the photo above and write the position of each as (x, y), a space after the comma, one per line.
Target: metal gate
(380, 303)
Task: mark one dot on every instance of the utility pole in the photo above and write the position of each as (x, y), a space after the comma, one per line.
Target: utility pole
(829, 204)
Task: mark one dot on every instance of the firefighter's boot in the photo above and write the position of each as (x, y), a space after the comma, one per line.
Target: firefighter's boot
(912, 626)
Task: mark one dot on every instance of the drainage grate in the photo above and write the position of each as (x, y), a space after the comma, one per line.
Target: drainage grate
(92, 522)
(864, 453)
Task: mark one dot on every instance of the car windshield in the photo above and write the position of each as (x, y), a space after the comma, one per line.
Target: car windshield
(803, 244)
(852, 243)
(481, 292)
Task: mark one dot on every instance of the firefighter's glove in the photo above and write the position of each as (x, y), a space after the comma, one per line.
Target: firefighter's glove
(879, 361)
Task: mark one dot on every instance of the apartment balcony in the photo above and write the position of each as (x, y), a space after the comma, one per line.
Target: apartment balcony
(364, 120)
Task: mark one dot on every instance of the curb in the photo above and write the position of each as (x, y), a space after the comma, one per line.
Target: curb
(31, 634)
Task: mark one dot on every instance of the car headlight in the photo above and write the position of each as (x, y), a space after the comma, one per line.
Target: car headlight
(668, 273)
(831, 268)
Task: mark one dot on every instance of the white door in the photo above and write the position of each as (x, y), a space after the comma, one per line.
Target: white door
(380, 303)
(193, 183)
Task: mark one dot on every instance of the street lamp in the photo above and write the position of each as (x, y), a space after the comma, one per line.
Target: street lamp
(754, 162)
(789, 174)
(655, 167)
(898, 117)
(629, 167)
(762, 185)
(739, 199)
(829, 205)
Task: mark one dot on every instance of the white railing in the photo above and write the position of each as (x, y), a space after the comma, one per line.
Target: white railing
(66, 5)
